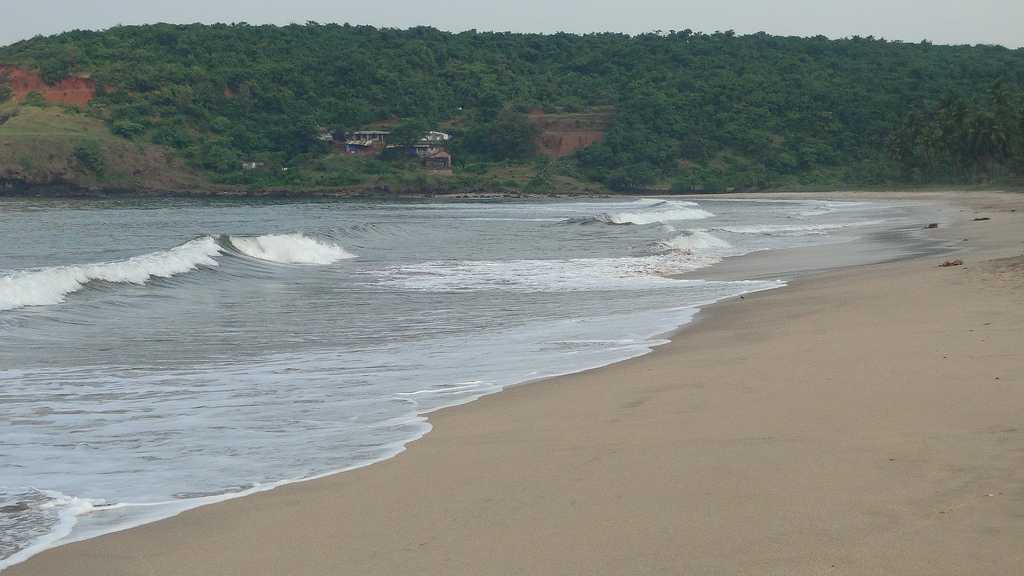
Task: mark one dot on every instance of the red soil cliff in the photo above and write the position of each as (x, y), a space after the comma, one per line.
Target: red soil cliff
(563, 134)
(74, 90)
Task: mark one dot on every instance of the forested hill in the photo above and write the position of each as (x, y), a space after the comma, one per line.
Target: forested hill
(698, 110)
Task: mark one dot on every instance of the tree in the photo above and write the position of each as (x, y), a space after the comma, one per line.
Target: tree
(34, 99)
(542, 182)
(127, 129)
(510, 136)
(409, 132)
(513, 136)
(631, 179)
(219, 157)
(89, 155)
(785, 109)
(960, 139)
(5, 87)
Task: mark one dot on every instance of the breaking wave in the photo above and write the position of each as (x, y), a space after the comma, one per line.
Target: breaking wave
(685, 253)
(290, 249)
(695, 242)
(48, 286)
(648, 212)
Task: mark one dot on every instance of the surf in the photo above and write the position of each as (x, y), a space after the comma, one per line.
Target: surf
(289, 249)
(695, 242)
(648, 211)
(48, 286)
(52, 285)
(794, 229)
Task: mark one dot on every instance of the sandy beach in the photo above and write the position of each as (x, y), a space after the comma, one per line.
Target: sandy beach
(868, 420)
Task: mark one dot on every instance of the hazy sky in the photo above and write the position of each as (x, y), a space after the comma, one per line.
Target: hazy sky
(941, 21)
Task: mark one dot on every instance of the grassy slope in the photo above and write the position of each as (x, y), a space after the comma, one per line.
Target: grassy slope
(37, 146)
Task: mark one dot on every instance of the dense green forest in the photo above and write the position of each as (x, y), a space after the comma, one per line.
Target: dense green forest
(963, 140)
(699, 111)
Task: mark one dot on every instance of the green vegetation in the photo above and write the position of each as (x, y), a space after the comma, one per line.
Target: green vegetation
(90, 156)
(5, 87)
(34, 99)
(691, 111)
(507, 136)
(542, 182)
(962, 139)
(409, 132)
(53, 145)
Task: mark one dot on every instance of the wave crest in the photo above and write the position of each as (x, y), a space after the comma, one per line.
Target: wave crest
(289, 249)
(695, 242)
(46, 286)
(649, 212)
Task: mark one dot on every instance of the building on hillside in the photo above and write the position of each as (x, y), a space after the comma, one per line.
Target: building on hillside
(422, 149)
(366, 141)
(436, 137)
(370, 136)
(438, 160)
(325, 135)
(431, 149)
(431, 143)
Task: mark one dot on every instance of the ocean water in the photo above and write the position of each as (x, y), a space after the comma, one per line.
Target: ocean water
(157, 355)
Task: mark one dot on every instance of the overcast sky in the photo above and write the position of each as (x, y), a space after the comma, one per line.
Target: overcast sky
(940, 21)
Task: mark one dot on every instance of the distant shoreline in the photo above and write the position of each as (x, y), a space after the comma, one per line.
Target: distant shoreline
(65, 190)
(19, 189)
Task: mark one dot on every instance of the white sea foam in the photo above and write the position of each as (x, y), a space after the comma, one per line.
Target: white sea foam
(793, 229)
(697, 242)
(687, 252)
(650, 211)
(45, 286)
(822, 207)
(290, 249)
(67, 510)
(574, 275)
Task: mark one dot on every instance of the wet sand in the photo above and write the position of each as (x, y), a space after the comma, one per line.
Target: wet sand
(868, 420)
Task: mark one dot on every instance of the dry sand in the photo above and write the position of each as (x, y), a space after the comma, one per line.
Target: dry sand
(864, 421)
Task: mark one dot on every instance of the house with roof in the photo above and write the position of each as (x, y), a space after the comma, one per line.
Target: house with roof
(431, 149)
(366, 141)
(438, 160)
(436, 137)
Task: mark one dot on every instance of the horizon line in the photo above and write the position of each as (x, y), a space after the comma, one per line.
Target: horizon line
(655, 32)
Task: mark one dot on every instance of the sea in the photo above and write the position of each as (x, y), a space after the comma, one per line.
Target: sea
(159, 354)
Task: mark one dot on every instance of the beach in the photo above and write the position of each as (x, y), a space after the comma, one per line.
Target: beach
(865, 420)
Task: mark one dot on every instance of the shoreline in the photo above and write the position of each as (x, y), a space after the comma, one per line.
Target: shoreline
(70, 190)
(231, 510)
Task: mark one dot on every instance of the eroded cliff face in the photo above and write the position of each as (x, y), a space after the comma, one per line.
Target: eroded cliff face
(563, 134)
(73, 90)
